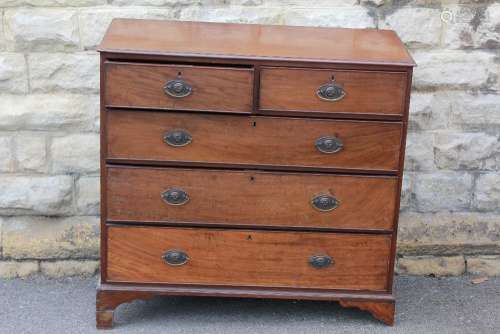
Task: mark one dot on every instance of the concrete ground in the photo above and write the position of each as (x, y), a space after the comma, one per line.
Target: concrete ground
(424, 305)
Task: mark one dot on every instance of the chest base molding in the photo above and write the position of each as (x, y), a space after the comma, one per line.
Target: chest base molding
(109, 296)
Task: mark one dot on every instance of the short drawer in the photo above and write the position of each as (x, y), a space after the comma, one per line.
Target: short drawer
(333, 91)
(250, 198)
(179, 87)
(253, 141)
(248, 258)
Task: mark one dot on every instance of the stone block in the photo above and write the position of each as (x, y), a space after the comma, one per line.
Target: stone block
(18, 269)
(13, 73)
(152, 2)
(66, 112)
(69, 268)
(430, 265)
(429, 111)
(375, 3)
(285, 3)
(342, 17)
(75, 153)
(487, 192)
(455, 69)
(66, 72)
(2, 33)
(475, 111)
(451, 191)
(473, 27)
(7, 161)
(51, 238)
(95, 21)
(467, 151)
(488, 265)
(31, 152)
(406, 191)
(416, 26)
(488, 31)
(45, 195)
(420, 151)
(263, 15)
(448, 233)
(41, 29)
(52, 3)
(87, 195)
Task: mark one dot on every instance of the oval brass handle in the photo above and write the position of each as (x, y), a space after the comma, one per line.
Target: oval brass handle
(177, 138)
(175, 257)
(175, 196)
(329, 144)
(178, 88)
(320, 261)
(331, 92)
(324, 203)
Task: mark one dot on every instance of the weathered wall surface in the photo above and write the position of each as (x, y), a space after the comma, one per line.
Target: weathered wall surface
(49, 193)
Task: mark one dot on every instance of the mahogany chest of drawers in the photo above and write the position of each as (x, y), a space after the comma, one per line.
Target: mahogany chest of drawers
(250, 161)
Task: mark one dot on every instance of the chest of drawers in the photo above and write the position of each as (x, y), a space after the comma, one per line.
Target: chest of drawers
(250, 161)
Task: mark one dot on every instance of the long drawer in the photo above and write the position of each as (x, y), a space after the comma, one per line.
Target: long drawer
(250, 198)
(248, 258)
(179, 87)
(261, 141)
(333, 91)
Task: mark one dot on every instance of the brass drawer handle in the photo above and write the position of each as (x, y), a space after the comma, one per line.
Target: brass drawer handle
(178, 88)
(329, 144)
(321, 261)
(324, 203)
(177, 138)
(175, 257)
(331, 91)
(175, 196)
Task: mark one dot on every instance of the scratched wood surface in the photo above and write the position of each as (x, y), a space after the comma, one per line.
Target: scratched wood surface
(252, 258)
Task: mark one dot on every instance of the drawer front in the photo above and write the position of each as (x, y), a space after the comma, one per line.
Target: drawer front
(248, 258)
(182, 196)
(244, 140)
(179, 87)
(356, 92)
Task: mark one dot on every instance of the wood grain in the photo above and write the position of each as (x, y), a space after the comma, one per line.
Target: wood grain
(104, 319)
(108, 300)
(255, 42)
(248, 258)
(367, 92)
(250, 198)
(400, 181)
(217, 89)
(383, 311)
(243, 140)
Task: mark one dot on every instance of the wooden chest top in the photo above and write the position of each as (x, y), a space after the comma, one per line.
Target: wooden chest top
(256, 42)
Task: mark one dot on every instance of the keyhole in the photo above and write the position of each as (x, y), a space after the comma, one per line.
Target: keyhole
(179, 73)
(249, 237)
(252, 178)
(333, 77)
(254, 124)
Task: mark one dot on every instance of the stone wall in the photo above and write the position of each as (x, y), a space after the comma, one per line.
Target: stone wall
(49, 147)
